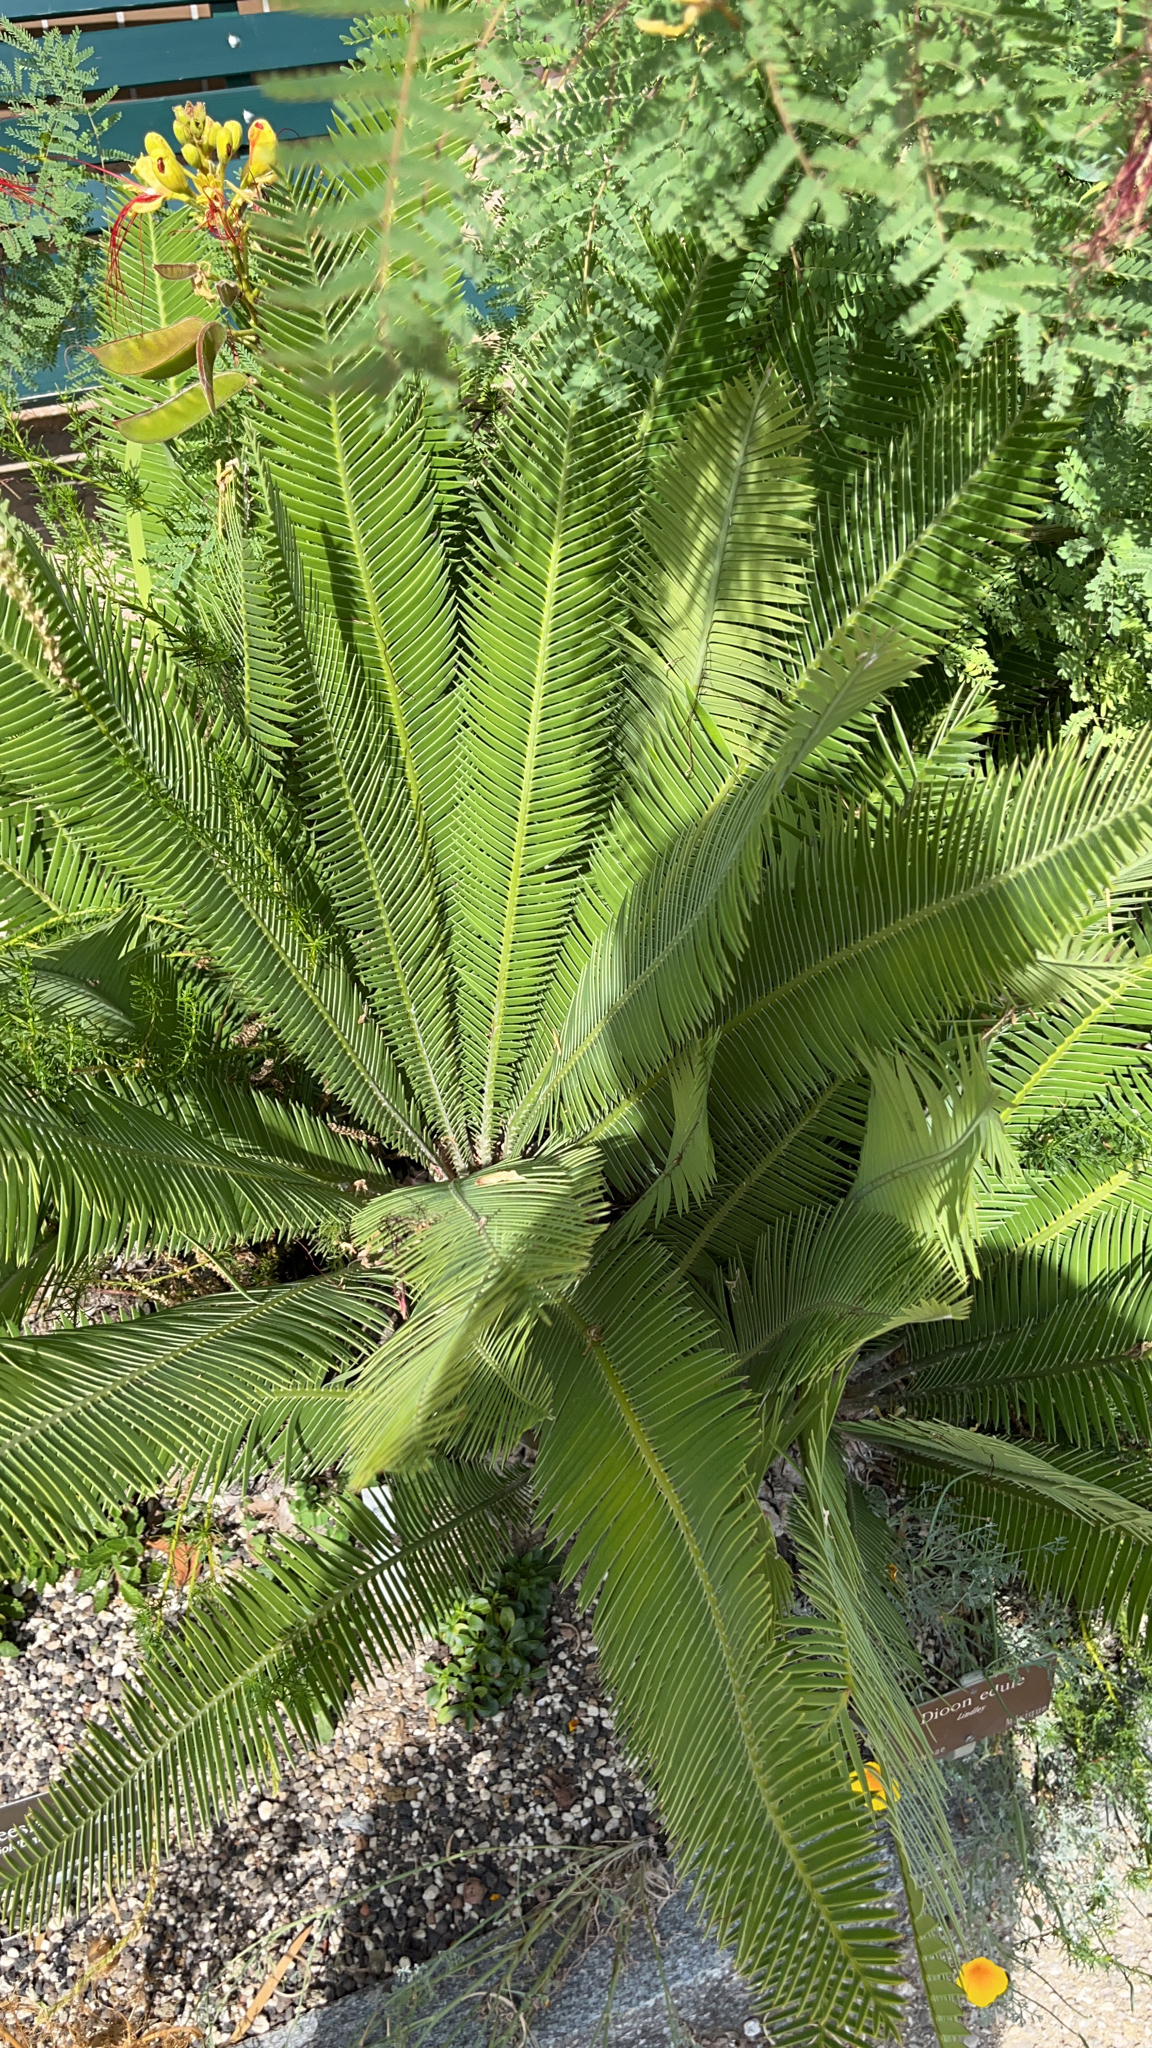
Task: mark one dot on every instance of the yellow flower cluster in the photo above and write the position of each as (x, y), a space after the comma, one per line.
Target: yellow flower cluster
(205, 148)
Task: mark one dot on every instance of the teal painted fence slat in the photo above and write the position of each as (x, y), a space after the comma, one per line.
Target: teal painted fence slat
(228, 44)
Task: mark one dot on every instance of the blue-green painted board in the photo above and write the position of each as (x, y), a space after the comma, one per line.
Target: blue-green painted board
(228, 45)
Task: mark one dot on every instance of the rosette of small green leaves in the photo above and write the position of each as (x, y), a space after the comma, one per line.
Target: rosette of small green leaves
(494, 1642)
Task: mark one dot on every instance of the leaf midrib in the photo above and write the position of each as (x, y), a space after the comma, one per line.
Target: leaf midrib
(523, 810)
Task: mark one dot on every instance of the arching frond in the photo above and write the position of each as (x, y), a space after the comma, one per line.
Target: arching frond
(823, 1284)
(489, 1254)
(1025, 1215)
(857, 1657)
(89, 1416)
(929, 912)
(122, 760)
(111, 1175)
(366, 832)
(927, 1130)
(537, 723)
(645, 1464)
(363, 510)
(654, 975)
(698, 341)
(1047, 1343)
(898, 546)
(47, 882)
(1080, 1522)
(244, 1679)
(769, 1164)
(1056, 1062)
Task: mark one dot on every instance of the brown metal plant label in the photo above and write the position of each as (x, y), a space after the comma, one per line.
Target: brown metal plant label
(987, 1708)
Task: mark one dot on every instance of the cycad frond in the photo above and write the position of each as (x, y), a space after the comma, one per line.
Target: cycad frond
(698, 340)
(769, 1164)
(112, 1175)
(898, 547)
(47, 881)
(90, 1416)
(1053, 1063)
(246, 602)
(645, 1462)
(1046, 1346)
(928, 911)
(837, 1586)
(363, 509)
(537, 719)
(653, 976)
(1080, 1521)
(367, 835)
(926, 1133)
(822, 1285)
(123, 762)
(242, 1676)
(488, 1254)
(1026, 1215)
(726, 522)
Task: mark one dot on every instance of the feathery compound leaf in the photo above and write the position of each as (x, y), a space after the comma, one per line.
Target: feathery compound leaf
(89, 1416)
(487, 1252)
(47, 881)
(653, 976)
(361, 501)
(1079, 1521)
(822, 1285)
(837, 1586)
(1045, 1344)
(388, 213)
(645, 1463)
(936, 906)
(926, 1133)
(227, 1692)
(900, 547)
(770, 1164)
(99, 731)
(698, 342)
(113, 1175)
(367, 835)
(1053, 1063)
(536, 720)
(726, 522)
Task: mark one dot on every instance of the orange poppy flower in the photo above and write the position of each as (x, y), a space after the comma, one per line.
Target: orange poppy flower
(982, 1982)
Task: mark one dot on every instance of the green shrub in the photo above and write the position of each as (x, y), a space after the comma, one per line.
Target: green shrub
(494, 1642)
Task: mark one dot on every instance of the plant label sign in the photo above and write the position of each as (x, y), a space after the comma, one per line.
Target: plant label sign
(985, 1708)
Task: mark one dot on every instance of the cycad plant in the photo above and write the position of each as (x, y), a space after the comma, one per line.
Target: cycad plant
(630, 968)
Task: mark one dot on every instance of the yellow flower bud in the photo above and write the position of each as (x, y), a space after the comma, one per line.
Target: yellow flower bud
(155, 144)
(168, 174)
(192, 156)
(261, 149)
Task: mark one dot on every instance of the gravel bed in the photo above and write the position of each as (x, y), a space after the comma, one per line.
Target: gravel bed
(389, 1841)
